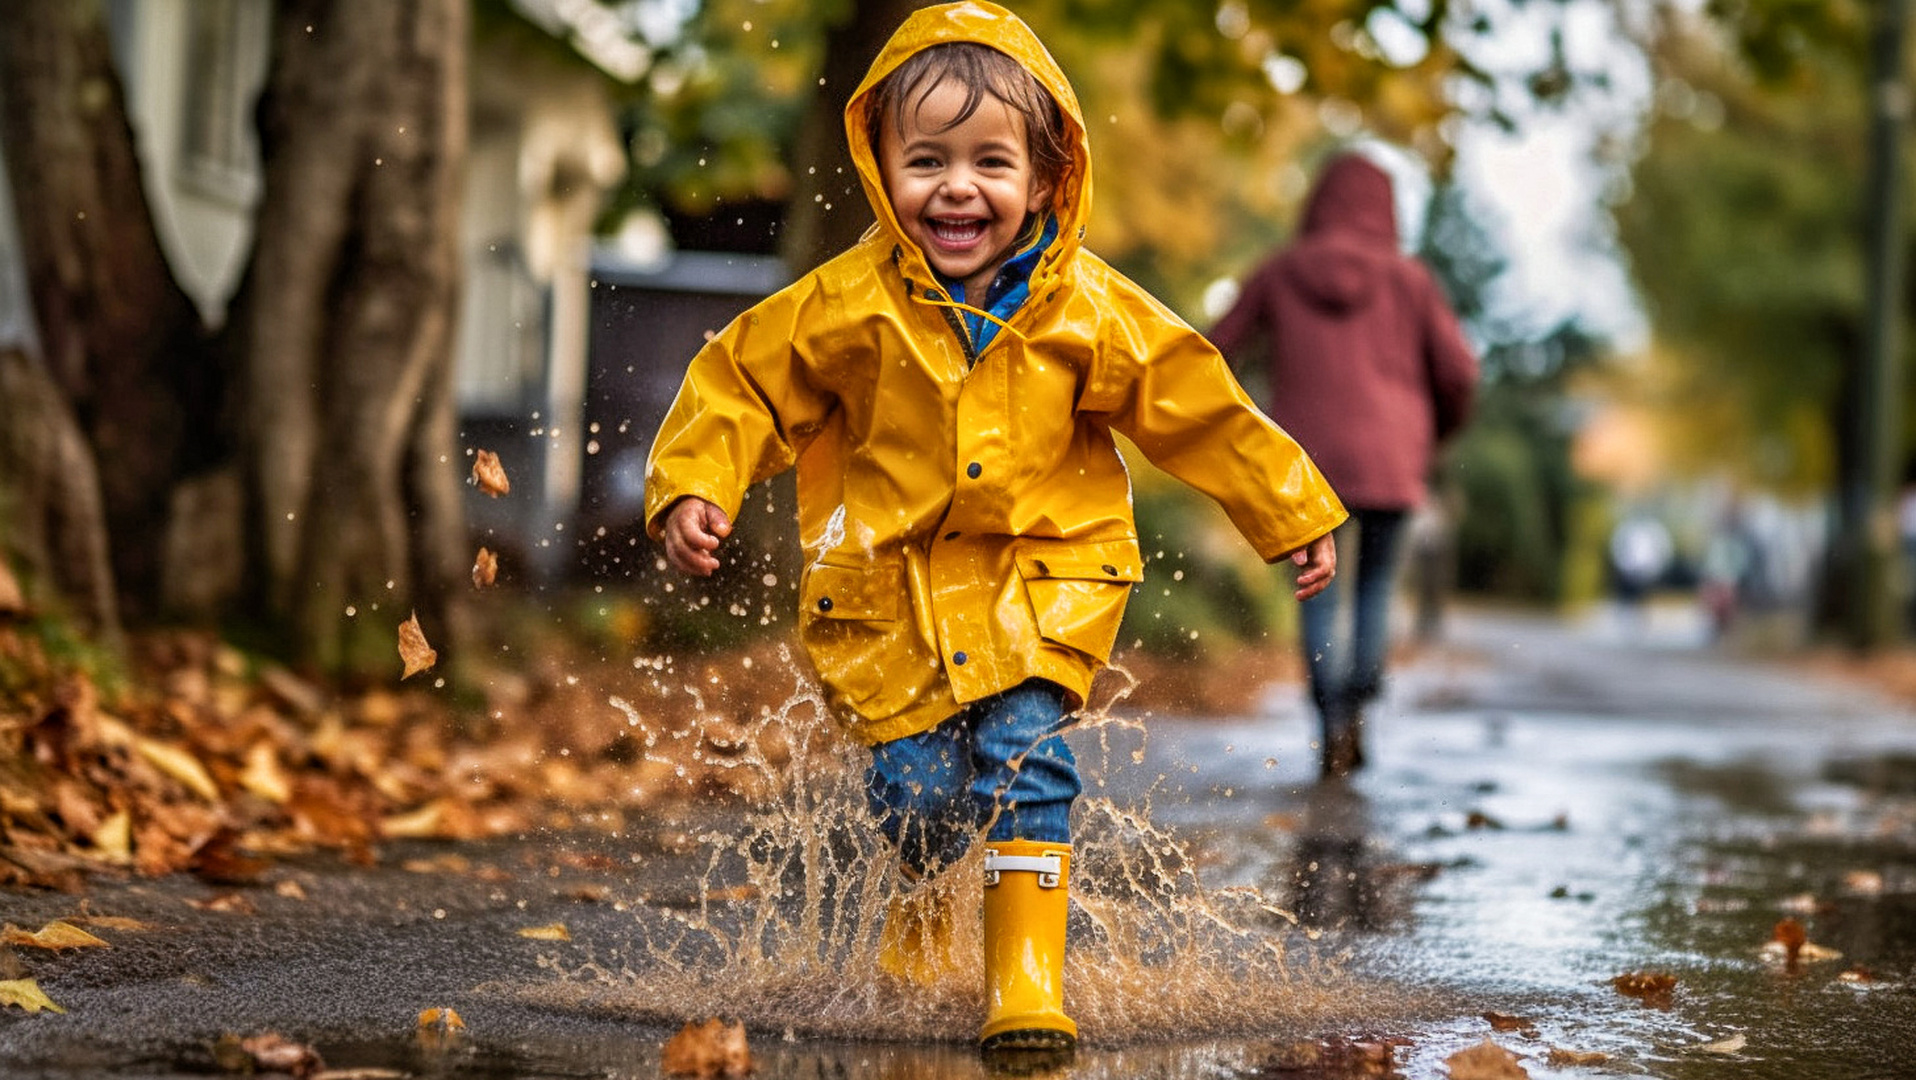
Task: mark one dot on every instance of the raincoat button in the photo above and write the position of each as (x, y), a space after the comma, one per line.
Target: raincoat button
(824, 603)
(959, 658)
(1109, 569)
(1042, 568)
(972, 470)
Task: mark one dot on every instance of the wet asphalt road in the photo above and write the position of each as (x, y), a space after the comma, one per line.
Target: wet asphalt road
(1548, 807)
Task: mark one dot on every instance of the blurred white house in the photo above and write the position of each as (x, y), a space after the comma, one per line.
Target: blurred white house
(545, 148)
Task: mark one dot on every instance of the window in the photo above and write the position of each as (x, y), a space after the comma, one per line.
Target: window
(225, 64)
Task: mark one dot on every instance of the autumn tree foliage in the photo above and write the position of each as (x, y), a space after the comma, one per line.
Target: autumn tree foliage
(1744, 232)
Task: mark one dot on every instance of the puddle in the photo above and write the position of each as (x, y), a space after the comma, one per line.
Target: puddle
(1490, 876)
(785, 935)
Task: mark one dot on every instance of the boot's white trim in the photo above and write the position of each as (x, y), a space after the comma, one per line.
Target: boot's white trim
(1048, 867)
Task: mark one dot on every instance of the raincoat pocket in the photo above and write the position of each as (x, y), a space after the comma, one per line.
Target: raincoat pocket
(869, 591)
(852, 626)
(1078, 592)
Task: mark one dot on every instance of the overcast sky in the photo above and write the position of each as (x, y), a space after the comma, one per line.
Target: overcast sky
(1540, 184)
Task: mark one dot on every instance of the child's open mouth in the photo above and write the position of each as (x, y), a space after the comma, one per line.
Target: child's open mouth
(957, 233)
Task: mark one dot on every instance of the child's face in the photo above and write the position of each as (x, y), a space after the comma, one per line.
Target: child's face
(961, 193)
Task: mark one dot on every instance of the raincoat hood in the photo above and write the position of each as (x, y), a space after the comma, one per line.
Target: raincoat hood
(990, 25)
(1350, 218)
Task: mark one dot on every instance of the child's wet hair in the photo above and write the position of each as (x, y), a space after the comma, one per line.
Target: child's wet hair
(981, 70)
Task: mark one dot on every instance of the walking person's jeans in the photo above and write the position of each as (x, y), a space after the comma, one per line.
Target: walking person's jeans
(1346, 628)
(1000, 762)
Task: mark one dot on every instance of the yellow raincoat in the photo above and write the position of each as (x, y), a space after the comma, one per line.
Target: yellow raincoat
(966, 520)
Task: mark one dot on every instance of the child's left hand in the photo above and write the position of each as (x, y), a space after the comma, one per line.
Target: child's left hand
(1318, 560)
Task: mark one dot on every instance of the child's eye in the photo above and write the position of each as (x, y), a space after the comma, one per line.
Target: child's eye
(922, 162)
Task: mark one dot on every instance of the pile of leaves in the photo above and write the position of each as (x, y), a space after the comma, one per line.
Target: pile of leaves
(203, 755)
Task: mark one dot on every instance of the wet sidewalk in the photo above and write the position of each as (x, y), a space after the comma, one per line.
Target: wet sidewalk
(1548, 807)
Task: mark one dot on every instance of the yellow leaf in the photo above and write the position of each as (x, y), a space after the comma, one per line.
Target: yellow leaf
(27, 994)
(113, 922)
(114, 837)
(54, 935)
(554, 932)
(181, 765)
(414, 649)
(414, 824)
(263, 775)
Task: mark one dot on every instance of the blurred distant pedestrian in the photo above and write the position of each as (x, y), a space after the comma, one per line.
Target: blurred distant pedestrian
(1369, 371)
(1730, 570)
(1640, 554)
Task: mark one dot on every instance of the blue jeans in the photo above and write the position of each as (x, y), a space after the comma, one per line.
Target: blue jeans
(1000, 762)
(1346, 659)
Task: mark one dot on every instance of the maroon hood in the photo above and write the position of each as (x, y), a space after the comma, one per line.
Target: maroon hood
(1367, 366)
(1350, 218)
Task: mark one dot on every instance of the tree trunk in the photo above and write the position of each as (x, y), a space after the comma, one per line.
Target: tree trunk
(55, 525)
(829, 210)
(346, 320)
(122, 341)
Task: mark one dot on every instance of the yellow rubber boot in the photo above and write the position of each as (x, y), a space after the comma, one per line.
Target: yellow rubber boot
(1025, 904)
(915, 944)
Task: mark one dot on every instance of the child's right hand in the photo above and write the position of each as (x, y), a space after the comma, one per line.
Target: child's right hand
(692, 532)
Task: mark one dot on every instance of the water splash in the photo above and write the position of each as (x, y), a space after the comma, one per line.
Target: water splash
(784, 930)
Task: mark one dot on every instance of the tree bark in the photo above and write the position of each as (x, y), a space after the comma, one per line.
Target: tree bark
(122, 342)
(56, 526)
(346, 319)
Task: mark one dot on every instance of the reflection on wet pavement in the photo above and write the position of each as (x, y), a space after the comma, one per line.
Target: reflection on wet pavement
(1546, 810)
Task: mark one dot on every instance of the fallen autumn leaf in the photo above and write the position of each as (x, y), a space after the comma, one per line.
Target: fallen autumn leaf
(1561, 1057)
(413, 648)
(1790, 943)
(26, 994)
(447, 1019)
(1790, 934)
(485, 569)
(489, 474)
(1732, 1045)
(55, 935)
(1507, 1022)
(1485, 1061)
(277, 1053)
(1649, 986)
(179, 764)
(709, 1049)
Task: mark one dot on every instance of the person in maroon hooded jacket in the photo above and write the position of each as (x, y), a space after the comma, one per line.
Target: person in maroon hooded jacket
(1369, 371)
